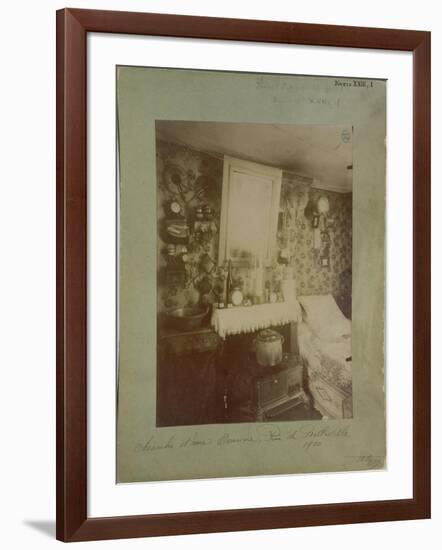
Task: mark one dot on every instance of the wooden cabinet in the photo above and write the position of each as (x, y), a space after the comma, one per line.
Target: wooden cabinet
(187, 377)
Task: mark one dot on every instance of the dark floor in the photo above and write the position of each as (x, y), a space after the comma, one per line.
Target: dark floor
(301, 412)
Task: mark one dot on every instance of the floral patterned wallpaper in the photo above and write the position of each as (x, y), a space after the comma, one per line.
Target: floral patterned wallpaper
(187, 270)
(193, 180)
(311, 278)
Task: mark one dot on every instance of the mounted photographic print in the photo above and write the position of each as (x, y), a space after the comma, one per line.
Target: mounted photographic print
(251, 269)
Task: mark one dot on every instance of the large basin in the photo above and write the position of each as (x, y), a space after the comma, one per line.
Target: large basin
(187, 318)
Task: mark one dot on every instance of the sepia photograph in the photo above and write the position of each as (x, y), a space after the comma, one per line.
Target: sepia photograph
(251, 254)
(254, 278)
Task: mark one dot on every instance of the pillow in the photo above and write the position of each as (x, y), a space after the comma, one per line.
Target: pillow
(324, 317)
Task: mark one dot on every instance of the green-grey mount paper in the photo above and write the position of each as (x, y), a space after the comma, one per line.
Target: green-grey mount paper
(188, 406)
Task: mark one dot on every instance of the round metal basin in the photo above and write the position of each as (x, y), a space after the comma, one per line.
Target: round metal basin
(187, 318)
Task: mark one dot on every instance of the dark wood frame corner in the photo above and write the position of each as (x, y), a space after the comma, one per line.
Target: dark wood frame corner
(73, 523)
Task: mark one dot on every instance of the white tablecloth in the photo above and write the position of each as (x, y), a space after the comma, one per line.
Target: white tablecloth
(241, 319)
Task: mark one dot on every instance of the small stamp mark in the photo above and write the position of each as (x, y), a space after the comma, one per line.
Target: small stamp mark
(345, 135)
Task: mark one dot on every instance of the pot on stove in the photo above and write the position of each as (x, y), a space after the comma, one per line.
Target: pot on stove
(268, 347)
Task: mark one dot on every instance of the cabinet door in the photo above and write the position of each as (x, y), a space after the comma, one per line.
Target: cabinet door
(186, 390)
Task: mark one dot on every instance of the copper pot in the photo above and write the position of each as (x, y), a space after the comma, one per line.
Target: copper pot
(268, 348)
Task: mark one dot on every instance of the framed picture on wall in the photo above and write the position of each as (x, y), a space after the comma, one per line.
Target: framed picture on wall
(233, 314)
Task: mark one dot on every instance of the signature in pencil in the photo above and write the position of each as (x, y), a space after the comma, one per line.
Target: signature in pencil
(370, 461)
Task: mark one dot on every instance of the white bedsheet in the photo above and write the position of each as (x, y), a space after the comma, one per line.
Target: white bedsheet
(325, 341)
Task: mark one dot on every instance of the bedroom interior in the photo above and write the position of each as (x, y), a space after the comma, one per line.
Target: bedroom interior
(254, 278)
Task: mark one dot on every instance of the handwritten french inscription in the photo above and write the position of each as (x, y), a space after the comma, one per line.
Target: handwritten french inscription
(306, 436)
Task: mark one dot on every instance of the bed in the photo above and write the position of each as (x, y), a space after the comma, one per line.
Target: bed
(324, 338)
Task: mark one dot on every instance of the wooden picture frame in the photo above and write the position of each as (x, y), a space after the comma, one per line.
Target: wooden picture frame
(73, 523)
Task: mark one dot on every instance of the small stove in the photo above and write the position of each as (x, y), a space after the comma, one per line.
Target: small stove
(275, 391)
